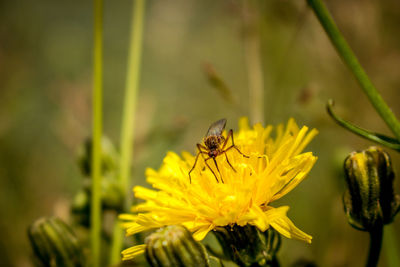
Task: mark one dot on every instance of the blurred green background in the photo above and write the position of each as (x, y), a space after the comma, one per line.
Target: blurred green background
(45, 99)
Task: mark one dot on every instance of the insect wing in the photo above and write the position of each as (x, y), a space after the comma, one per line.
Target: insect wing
(216, 128)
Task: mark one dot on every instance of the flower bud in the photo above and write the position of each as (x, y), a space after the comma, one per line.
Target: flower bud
(174, 246)
(54, 243)
(109, 157)
(80, 208)
(247, 245)
(112, 198)
(369, 199)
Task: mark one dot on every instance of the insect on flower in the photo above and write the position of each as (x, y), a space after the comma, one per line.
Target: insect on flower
(215, 144)
(241, 201)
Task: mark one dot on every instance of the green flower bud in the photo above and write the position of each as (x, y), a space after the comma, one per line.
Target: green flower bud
(54, 244)
(109, 157)
(248, 246)
(174, 246)
(112, 198)
(369, 199)
(112, 194)
(80, 208)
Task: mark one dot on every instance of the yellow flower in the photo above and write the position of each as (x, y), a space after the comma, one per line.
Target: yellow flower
(274, 167)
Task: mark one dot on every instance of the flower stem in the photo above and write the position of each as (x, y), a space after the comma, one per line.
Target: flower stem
(252, 56)
(351, 61)
(95, 215)
(275, 262)
(130, 101)
(375, 245)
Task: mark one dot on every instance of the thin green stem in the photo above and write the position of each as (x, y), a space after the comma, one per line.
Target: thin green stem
(252, 54)
(351, 61)
(375, 137)
(375, 245)
(130, 101)
(95, 215)
(117, 243)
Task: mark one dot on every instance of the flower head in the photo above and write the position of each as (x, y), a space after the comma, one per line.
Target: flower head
(274, 166)
(370, 200)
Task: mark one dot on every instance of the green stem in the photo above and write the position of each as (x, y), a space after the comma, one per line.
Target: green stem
(95, 215)
(130, 101)
(375, 137)
(351, 61)
(117, 243)
(252, 56)
(375, 245)
(275, 262)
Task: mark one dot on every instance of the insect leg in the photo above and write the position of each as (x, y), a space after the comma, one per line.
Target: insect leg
(205, 161)
(195, 161)
(229, 162)
(203, 152)
(233, 146)
(216, 165)
(230, 134)
(200, 146)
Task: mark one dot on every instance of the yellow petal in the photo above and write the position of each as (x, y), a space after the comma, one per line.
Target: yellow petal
(133, 228)
(201, 233)
(132, 252)
(299, 173)
(127, 217)
(306, 141)
(244, 124)
(286, 228)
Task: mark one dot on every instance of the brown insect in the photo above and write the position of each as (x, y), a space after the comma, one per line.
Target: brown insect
(215, 144)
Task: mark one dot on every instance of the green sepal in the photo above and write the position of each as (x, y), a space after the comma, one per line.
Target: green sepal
(175, 246)
(54, 244)
(247, 245)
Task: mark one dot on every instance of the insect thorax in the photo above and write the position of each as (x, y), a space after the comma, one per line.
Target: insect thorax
(213, 142)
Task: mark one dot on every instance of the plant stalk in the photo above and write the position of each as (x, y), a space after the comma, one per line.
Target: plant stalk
(375, 245)
(352, 63)
(252, 54)
(128, 117)
(95, 215)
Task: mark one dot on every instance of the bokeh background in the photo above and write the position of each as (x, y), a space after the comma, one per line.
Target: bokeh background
(45, 99)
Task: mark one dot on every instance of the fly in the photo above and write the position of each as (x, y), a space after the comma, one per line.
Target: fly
(214, 145)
